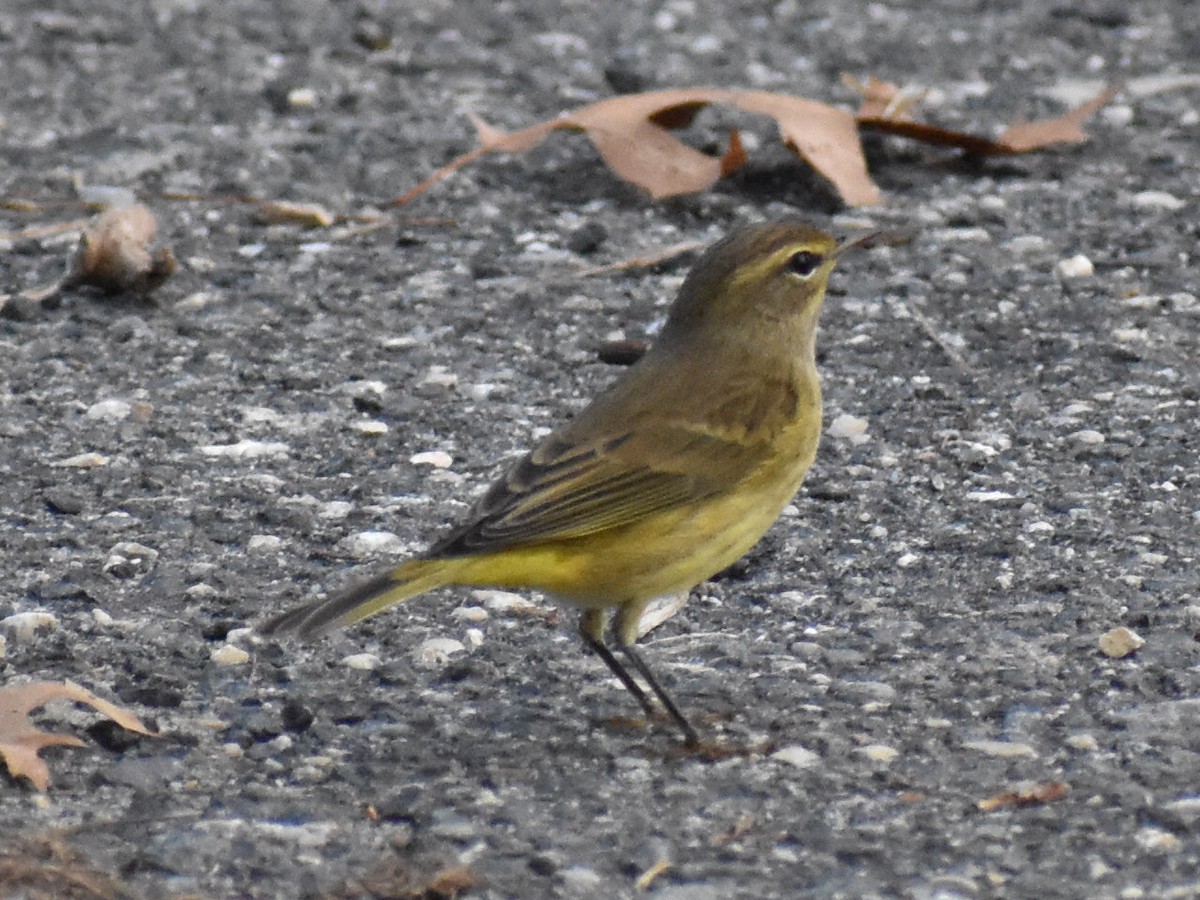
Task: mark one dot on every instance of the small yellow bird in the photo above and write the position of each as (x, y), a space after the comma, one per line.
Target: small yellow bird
(665, 479)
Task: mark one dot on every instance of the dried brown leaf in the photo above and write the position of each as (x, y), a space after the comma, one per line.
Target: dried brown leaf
(114, 254)
(881, 112)
(20, 742)
(632, 133)
(1026, 796)
(1021, 137)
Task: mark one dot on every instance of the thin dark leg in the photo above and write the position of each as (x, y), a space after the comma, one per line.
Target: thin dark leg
(689, 733)
(619, 670)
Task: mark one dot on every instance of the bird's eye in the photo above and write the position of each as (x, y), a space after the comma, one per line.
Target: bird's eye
(804, 263)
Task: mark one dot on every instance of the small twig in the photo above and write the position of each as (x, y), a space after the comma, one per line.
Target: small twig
(931, 332)
(646, 262)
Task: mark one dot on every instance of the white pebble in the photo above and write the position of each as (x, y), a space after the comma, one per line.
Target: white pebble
(881, 753)
(246, 449)
(436, 652)
(83, 461)
(1000, 748)
(1078, 266)
(25, 626)
(473, 614)
(795, 755)
(990, 496)
(907, 560)
(201, 592)
(371, 427)
(1087, 436)
(371, 543)
(1083, 742)
(474, 637)
(228, 655)
(1039, 528)
(363, 661)
(335, 509)
(1026, 244)
(263, 543)
(111, 410)
(1118, 115)
(439, 376)
(503, 601)
(439, 459)
(101, 618)
(1120, 642)
(1157, 200)
(1158, 839)
(852, 428)
(241, 636)
(302, 98)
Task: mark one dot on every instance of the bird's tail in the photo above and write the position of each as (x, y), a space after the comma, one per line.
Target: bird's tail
(412, 577)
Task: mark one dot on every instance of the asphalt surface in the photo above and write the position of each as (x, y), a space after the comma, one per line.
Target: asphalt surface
(920, 633)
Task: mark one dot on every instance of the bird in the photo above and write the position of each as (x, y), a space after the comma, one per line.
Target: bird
(668, 477)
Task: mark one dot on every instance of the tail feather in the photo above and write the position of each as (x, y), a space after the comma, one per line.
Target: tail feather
(410, 578)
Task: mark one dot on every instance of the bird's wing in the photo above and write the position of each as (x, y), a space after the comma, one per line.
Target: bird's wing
(566, 489)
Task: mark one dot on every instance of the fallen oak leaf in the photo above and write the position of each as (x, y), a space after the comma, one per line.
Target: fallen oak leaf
(1021, 137)
(21, 742)
(883, 111)
(632, 133)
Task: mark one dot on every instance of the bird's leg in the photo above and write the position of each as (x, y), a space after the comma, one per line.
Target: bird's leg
(591, 627)
(624, 630)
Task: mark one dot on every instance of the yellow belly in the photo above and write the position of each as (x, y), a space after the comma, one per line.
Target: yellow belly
(664, 553)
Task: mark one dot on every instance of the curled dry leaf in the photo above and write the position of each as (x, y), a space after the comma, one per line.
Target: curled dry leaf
(632, 133)
(115, 254)
(20, 742)
(886, 108)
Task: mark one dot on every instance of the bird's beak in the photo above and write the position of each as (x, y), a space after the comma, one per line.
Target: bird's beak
(867, 239)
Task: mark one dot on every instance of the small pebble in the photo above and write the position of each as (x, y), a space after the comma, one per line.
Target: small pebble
(1120, 642)
(503, 601)
(111, 410)
(1157, 200)
(879, 752)
(363, 661)
(247, 449)
(83, 461)
(852, 428)
(101, 618)
(1083, 742)
(371, 427)
(472, 614)
(263, 543)
(371, 543)
(795, 755)
(436, 652)
(1159, 839)
(439, 459)
(27, 625)
(228, 655)
(1087, 436)
(302, 98)
(1000, 748)
(1078, 266)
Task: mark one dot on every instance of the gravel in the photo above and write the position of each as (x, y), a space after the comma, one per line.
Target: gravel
(1013, 475)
